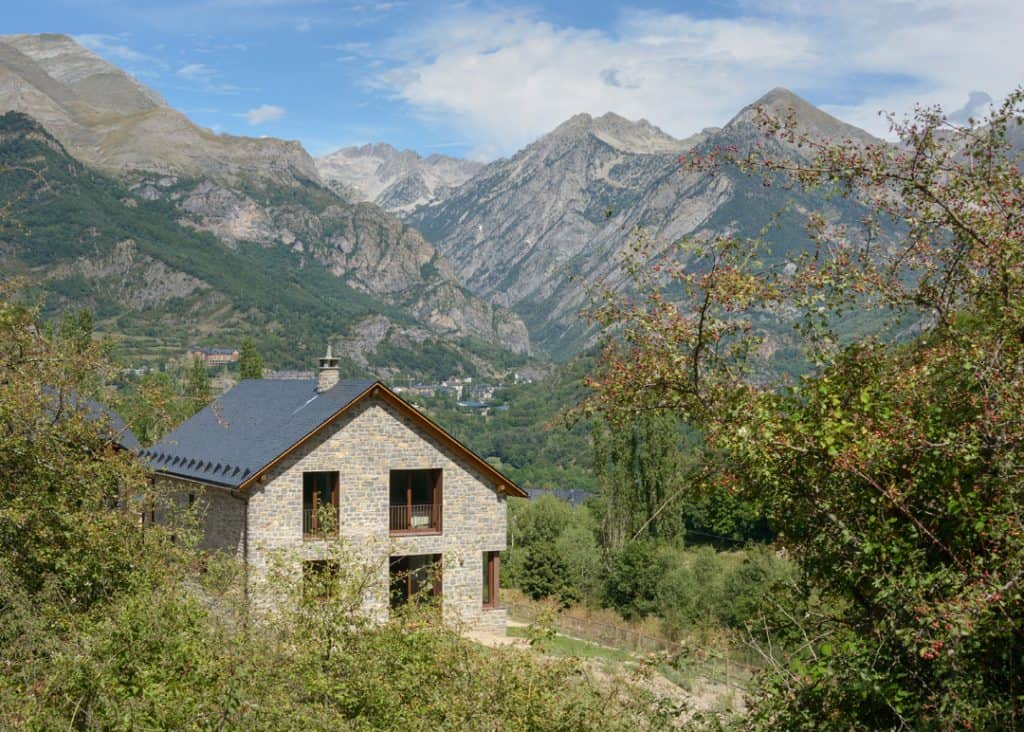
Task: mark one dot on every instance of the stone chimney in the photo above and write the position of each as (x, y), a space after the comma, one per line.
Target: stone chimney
(328, 375)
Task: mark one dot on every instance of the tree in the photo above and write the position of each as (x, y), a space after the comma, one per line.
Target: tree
(639, 472)
(197, 385)
(552, 550)
(250, 363)
(60, 477)
(635, 578)
(153, 407)
(893, 470)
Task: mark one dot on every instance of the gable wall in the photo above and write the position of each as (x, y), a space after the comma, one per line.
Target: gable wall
(220, 515)
(364, 446)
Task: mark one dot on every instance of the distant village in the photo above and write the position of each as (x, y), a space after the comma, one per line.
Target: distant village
(467, 393)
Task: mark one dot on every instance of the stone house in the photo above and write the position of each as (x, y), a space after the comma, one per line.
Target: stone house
(213, 356)
(285, 464)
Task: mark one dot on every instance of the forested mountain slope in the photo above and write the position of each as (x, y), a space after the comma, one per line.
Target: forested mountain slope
(248, 191)
(84, 240)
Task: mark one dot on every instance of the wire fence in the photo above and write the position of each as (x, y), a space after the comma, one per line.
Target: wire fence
(734, 668)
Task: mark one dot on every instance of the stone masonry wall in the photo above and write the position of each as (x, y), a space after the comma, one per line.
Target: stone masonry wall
(364, 446)
(221, 516)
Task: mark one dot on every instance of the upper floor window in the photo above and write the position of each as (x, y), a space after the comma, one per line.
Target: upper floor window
(415, 497)
(319, 503)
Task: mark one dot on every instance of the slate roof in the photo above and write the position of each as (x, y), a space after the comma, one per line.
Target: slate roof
(120, 433)
(249, 426)
(94, 411)
(575, 496)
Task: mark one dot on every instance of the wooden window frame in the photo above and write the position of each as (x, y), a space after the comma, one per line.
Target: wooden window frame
(436, 501)
(314, 533)
(492, 567)
(436, 560)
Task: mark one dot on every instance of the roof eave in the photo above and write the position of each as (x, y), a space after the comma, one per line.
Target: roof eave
(193, 479)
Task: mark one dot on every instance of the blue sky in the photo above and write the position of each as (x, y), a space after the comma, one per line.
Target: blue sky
(481, 79)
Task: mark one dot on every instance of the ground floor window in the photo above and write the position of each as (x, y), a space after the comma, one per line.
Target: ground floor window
(319, 578)
(415, 577)
(492, 564)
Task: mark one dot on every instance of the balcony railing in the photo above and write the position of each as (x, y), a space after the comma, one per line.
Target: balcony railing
(318, 522)
(417, 517)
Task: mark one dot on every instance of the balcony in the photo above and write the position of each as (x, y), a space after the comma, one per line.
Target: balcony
(415, 518)
(319, 523)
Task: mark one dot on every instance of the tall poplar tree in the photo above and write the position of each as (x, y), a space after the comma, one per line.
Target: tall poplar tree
(197, 385)
(250, 363)
(639, 475)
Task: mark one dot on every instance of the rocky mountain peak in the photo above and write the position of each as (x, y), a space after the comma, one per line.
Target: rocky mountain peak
(107, 119)
(95, 81)
(639, 137)
(370, 149)
(397, 180)
(781, 102)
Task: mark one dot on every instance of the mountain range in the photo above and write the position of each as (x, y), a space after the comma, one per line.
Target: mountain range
(474, 264)
(535, 231)
(396, 180)
(260, 198)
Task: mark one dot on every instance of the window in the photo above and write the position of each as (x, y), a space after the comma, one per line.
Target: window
(415, 577)
(415, 497)
(319, 578)
(319, 503)
(492, 565)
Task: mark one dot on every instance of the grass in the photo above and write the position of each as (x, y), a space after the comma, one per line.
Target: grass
(562, 645)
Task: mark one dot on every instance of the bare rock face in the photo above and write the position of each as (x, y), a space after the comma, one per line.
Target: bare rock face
(246, 190)
(135, 279)
(535, 231)
(369, 249)
(107, 119)
(522, 228)
(398, 181)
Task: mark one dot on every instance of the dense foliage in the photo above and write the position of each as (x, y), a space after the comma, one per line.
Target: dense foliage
(893, 471)
(557, 551)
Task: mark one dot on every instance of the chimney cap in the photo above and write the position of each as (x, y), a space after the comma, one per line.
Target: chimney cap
(328, 375)
(328, 361)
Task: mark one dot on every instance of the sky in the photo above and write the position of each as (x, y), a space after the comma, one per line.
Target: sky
(483, 79)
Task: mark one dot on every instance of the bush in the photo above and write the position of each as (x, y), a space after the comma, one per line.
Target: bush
(634, 586)
(553, 550)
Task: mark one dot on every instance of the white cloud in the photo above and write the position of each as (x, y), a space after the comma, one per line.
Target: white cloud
(263, 114)
(195, 71)
(109, 47)
(507, 76)
(205, 78)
